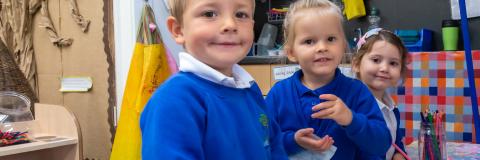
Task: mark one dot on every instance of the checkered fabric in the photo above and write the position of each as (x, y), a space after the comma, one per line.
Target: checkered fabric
(439, 80)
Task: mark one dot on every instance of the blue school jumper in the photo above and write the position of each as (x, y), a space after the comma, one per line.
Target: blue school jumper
(189, 117)
(290, 103)
(400, 132)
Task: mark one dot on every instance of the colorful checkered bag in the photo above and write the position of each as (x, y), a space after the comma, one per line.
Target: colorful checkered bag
(438, 80)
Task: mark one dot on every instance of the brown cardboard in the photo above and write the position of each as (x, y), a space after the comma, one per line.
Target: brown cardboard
(85, 57)
(48, 86)
(48, 59)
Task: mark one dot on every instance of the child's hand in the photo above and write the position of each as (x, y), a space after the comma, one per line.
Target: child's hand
(333, 108)
(308, 140)
(398, 156)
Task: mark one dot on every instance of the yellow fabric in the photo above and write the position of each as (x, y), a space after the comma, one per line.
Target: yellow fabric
(148, 69)
(354, 8)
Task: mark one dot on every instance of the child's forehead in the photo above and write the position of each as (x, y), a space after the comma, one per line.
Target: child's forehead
(217, 3)
(319, 13)
(312, 16)
(322, 23)
(382, 47)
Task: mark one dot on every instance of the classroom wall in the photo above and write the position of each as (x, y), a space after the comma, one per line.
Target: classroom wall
(415, 14)
(396, 14)
(85, 57)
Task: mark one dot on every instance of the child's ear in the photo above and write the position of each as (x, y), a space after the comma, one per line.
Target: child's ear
(175, 28)
(290, 55)
(355, 66)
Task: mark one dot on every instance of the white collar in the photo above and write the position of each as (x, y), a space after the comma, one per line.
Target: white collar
(240, 79)
(390, 104)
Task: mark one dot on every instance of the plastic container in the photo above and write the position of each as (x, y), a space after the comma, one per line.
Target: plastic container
(450, 30)
(14, 107)
(15, 118)
(423, 44)
(432, 142)
(374, 19)
(409, 36)
(267, 39)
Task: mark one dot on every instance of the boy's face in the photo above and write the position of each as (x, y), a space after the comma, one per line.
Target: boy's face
(318, 45)
(216, 32)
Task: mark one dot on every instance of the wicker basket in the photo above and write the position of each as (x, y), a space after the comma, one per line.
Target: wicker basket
(11, 78)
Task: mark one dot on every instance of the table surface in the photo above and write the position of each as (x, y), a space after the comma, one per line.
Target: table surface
(455, 151)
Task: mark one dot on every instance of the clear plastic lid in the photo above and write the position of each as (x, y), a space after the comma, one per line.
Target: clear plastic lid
(14, 107)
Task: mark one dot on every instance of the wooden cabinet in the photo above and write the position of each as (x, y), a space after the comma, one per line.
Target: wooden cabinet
(265, 78)
(263, 75)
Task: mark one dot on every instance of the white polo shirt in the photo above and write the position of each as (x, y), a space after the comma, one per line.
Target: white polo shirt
(240, 79)
(389, 116)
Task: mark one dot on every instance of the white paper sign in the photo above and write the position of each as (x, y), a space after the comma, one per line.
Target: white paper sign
(76, 84)
(472, 7)
(282, 72)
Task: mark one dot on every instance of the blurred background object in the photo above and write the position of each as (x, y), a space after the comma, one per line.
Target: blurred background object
(12, 79)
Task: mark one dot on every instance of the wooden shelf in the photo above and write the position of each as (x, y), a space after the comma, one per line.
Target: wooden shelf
(56, 133)
(37, 145)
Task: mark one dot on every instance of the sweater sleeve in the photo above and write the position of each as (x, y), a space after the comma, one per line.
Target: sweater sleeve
(287, 136)
(368, 123)
(278, 151)
(180, 126)
(276, 143)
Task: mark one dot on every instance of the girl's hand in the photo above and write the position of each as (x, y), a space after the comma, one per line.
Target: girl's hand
(398, 156)
(308, 140)
(332, 108)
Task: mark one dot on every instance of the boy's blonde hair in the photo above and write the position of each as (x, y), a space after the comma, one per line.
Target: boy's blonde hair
(323, 7)
(177, 7)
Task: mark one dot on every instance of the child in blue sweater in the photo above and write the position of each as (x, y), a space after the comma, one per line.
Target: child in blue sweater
(318, 100)
(212, 109)
(381, 62)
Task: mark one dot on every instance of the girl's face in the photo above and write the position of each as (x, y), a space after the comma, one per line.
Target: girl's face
(318, 44)
(381, 67)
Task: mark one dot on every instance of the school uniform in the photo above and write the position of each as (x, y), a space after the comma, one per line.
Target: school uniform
(200, 113)
(290, 103)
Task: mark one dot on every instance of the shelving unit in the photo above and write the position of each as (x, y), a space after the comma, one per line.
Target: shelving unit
(36, 145)
(275, 18)
(57, 137)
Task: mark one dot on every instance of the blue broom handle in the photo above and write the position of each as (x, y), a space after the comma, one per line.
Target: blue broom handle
(471, 76)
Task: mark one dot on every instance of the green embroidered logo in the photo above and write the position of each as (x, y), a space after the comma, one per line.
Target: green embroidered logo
(263, 119)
